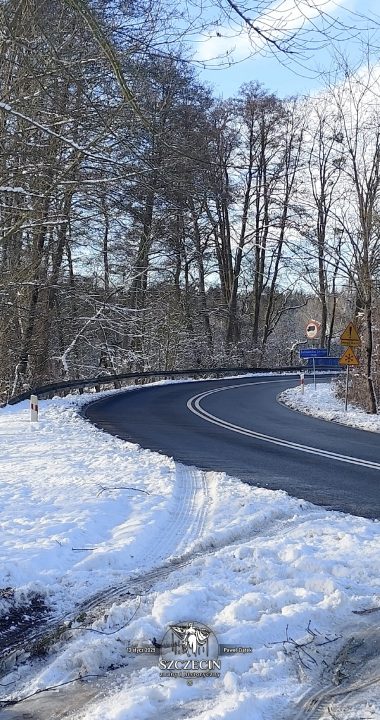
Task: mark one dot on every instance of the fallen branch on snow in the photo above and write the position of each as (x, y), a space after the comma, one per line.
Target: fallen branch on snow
(120, 487)
(15, 701)
(299, 647)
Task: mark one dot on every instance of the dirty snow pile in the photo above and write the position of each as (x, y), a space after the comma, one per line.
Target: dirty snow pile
(259, 568)
(323, 403)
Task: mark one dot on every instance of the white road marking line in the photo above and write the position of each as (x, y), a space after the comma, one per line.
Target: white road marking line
(194, 405)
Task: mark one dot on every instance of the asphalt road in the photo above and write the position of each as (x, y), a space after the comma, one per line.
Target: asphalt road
(243, 431)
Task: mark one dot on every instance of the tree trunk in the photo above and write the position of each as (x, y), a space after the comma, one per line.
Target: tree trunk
(369, 351)
(201, 280)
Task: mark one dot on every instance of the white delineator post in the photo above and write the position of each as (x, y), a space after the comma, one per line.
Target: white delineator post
(302, 378)
(33, 409)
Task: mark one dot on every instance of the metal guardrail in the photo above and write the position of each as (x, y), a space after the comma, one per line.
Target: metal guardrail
(51, 388)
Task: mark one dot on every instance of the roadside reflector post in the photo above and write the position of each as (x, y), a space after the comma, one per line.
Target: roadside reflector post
(33, 409)
(302, 378)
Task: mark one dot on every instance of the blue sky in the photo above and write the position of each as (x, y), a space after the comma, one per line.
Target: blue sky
(279, 73)
(269, 72)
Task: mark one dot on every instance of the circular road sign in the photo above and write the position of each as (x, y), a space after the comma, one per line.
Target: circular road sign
(312, 329)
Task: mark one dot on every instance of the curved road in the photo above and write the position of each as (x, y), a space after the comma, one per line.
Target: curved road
(238, 427)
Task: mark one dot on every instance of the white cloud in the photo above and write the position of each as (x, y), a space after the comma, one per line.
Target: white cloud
(278, 23)
(226, 43)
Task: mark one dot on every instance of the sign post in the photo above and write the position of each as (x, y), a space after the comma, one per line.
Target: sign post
(312, 330)
(347, 382)
(312, 353)
(302, 377)
(349, 338)
(34, 409)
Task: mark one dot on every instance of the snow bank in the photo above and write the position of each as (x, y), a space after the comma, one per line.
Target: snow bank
(323, 403)
(69, 523)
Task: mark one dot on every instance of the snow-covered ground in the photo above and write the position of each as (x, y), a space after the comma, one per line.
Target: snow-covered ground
(259, 568)
(323, 403)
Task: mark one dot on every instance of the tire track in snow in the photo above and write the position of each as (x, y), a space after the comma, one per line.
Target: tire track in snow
(136, 583)
(188, 516)
(143, 582)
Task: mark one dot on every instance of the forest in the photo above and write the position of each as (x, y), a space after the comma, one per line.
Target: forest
(148, 224)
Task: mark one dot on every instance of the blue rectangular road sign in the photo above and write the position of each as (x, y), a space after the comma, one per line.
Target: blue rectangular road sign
(325, 362)
(313, 353)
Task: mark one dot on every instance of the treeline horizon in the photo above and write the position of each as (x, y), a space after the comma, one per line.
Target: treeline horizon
(146, 224)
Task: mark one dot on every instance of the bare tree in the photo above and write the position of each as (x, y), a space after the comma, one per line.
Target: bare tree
(361, 144)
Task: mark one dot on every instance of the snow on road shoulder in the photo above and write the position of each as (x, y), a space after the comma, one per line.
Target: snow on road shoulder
(261, 567)
(323, 403)
(78, 506)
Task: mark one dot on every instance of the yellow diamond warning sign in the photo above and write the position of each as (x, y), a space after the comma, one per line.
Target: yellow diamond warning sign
(348, 358)
(350, 336)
